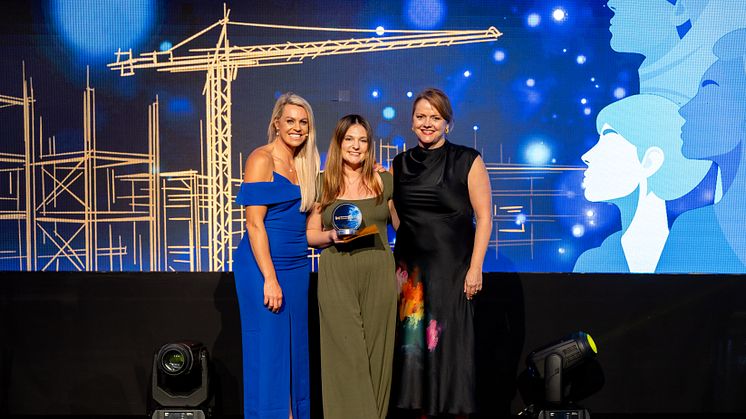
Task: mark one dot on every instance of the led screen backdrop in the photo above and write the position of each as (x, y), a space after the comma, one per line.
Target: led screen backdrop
(612, 132)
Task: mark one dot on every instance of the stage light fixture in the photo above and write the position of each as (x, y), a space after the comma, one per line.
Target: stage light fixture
(553, 365)
(180, 381)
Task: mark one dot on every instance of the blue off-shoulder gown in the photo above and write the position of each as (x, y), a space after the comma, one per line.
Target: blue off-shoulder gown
(275, 345)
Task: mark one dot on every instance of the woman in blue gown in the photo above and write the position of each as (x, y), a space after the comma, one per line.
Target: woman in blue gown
(271, 267)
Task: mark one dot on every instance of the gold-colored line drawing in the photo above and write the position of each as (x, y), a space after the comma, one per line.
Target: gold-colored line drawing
(522, 194)
(221, 65)
(15, 208)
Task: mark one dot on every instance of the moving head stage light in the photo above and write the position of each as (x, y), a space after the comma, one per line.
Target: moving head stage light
(180, 381)
(568, 371)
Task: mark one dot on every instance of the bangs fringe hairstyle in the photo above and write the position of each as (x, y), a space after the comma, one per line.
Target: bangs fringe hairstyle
(306, 158)
(333, 172)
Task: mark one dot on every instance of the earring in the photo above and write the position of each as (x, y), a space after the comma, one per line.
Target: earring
(447, 130)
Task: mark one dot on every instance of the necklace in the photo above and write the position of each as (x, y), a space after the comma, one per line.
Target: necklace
(289, 166)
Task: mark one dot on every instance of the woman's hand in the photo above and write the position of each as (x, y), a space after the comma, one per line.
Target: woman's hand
(272, 295)
(333, 237)
(473, 282)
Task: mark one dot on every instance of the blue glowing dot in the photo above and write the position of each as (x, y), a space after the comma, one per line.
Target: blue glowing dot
(620, 92)
(554, 160)
(425, 14)
(410, 94)
(388, 113)
(537, 153)
(593, 79)
(533, 20)
(499, 55)
(559, 14)
(520, 219)
(587, 111)
(467, 73)
(578, 230)
(564, 50)
(597, 86)
(375, 93)
(96, 29)
(590, 213)
(532, 96)
(581, 59)
(475, 127)
(165, 46)
(380, 30)
(561, 250)
(583, 101)
(180, 106)
(530, 82)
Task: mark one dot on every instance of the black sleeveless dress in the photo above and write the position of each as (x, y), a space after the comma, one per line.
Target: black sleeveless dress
(435, 368)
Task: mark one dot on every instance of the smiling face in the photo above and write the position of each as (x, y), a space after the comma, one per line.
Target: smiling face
(292, 126)
(715, 117)
(355, 146)
(428, 124)
(614, 169)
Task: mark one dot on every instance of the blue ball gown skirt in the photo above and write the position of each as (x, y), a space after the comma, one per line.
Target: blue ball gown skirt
(275, 345)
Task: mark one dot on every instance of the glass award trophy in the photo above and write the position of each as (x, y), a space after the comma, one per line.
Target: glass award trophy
(346, 219)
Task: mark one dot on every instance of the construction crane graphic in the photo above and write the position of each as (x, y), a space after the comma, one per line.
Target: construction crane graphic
(221, 65)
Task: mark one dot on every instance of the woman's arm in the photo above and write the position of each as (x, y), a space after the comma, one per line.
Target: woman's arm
(480, 196)
(392, 207)
(259, 169)
(394, 215)
(315, 233)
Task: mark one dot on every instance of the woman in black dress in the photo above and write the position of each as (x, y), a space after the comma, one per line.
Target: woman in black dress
(440, 189)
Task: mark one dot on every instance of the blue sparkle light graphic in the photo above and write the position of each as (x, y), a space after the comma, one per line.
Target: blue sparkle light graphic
(530, 82)
(380, 30)
(96, 29)
(467, 73)
(620, 92)
(388, 113)
(559, 15)
(165, 46)
(410, 94)
(537, 153)
(375, 94)
(425, 14)
(533, 20)
(499, 56)
(581, 59)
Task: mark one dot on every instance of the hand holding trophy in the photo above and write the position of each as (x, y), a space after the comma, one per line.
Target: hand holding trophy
(347, 219)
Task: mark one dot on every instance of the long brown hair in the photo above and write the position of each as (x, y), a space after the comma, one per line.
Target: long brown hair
(306, 160)
(334, 173)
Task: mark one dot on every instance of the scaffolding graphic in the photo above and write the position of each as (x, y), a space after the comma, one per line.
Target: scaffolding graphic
(221, 65)
(78, 197)
(14, 208)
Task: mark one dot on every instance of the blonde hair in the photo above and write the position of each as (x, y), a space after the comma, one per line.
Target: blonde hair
(306, 158)
(333, 172)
